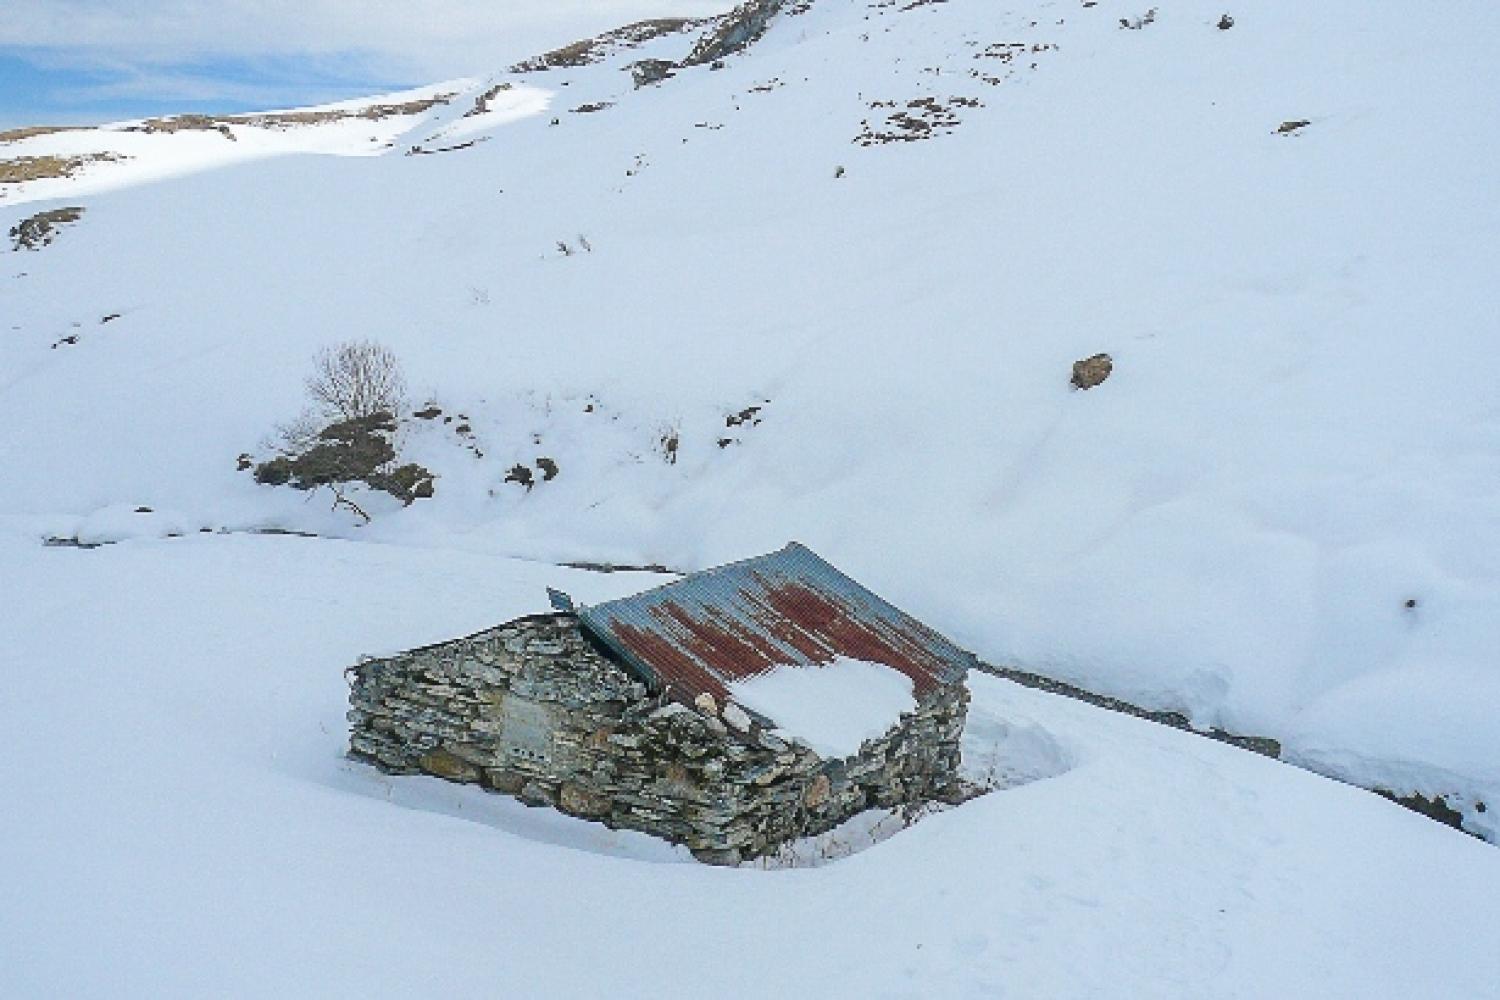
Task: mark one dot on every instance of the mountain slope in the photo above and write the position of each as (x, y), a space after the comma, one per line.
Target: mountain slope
(892, 228)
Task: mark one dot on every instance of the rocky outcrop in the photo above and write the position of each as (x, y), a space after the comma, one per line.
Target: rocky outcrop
(359, 450)
(649, 71)
(533, 709)
(739, 29)
(592, 50)
(41, 229)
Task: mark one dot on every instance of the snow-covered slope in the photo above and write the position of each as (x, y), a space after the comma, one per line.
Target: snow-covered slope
(832, 291)
(1301, 436)
(93, 160)
(179, 821)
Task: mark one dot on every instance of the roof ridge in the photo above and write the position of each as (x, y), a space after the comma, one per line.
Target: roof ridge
(711, 571)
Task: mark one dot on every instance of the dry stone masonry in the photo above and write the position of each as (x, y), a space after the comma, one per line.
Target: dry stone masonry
(536, 710)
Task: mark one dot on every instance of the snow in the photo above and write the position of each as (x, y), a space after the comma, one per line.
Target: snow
(1279, 514)
(180, 820)
(143, 157)
(832, 707)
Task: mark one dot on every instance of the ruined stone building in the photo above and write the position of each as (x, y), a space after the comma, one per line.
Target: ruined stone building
(731, 711)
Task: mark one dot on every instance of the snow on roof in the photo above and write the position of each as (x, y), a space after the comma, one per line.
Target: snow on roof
(832, 708)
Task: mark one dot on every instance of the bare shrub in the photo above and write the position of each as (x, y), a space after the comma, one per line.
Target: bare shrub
(349, 435)
(297, 435)
(356, 379)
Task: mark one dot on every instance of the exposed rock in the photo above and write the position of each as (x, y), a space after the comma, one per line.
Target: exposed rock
(406, 483)
(914, 120)
(483, 101)
(1092, 371)
(446, 765)
(41, 229)
(817, 792)
(579, 801)
(521, 476)
(350, 451)
(1288, 127)
(649, 71)
(1225, 23)
(501, 780)
(736, 717)
(750, 415)
(536, 793)
(739, 28)
(1436, 807)
(592, 50)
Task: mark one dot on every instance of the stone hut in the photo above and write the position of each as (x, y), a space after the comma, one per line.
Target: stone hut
(731, 711)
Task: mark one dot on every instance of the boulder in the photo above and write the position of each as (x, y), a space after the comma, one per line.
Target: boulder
(1092, 371)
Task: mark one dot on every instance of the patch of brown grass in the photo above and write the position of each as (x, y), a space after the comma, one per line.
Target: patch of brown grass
(371, 113)
(287, 119)
(37, 168)
(177, 123)
(32, 131)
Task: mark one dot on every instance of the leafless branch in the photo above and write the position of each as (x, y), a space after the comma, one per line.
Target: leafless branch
(356, 379)
(341, 499)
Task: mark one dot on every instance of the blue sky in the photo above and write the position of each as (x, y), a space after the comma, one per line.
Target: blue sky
(88, 61)
(35, 89)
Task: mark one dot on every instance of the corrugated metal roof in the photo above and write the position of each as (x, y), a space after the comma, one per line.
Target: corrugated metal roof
(787, 609)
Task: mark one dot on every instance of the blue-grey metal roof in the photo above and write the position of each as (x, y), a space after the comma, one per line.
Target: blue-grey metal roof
(786, 609)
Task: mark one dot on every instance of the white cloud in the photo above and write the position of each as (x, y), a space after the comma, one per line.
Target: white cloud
(417, 41)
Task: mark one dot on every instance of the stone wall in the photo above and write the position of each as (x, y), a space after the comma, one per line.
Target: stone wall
(535, 710)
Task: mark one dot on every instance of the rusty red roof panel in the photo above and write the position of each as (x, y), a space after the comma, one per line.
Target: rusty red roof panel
(785, 610)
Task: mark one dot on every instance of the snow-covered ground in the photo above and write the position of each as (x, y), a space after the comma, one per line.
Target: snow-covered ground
(1281, 513)
(180, 821)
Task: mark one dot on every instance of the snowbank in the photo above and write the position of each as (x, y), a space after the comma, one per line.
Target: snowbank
(180, 820)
